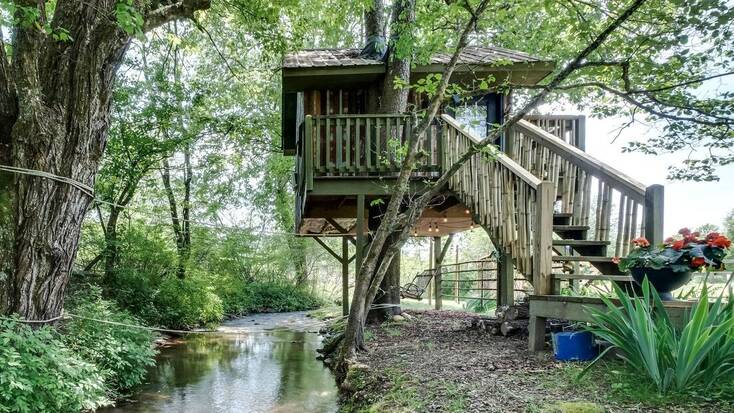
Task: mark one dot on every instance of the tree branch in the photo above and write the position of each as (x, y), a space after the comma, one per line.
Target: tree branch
(183, 9)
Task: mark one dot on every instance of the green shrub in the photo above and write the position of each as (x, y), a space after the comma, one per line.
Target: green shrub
(38, 373)
(122, 354)
(188, 302)
(241, 298)
(700, 356)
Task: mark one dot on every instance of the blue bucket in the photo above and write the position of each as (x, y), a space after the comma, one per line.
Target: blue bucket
(574, 346)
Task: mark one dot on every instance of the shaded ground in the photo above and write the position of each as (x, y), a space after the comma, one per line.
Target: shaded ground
(434, 362)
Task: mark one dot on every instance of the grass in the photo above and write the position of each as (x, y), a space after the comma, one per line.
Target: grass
(613, 383)
(406, 394)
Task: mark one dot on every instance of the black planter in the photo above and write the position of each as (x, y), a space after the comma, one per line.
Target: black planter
(664, 280)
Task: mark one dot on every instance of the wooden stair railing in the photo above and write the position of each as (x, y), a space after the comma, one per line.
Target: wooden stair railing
(515, 206)
(634, 209)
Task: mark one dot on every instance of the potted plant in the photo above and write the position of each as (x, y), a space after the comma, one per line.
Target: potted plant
(669, 266)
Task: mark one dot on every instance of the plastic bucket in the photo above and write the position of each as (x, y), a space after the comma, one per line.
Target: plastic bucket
(574, 346)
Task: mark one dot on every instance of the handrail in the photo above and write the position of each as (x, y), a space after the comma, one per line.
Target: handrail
(500, 157)
(585, 161)
(512, 204)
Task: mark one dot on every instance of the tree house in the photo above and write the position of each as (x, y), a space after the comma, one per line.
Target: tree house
(540, 197)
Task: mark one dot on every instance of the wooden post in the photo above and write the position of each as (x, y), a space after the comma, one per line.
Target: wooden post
(431, 263)
(505, 279)
(542, 259)
(345, 275)
(654, 213)
(308, 153)
(456, 275)
(437, 267)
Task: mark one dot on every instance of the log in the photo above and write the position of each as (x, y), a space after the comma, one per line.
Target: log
(517, 312)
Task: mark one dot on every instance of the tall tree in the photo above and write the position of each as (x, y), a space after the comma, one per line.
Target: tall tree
(55, 91)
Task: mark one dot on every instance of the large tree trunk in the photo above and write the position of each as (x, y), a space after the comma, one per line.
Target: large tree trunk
(59, 126)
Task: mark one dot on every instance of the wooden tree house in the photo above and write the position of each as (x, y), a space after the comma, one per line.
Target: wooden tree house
(541, 199)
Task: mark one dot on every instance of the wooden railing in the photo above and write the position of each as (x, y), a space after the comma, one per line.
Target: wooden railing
(513, 205)
(357, 145)
(570, 128)
(593, 192)
(476, 280)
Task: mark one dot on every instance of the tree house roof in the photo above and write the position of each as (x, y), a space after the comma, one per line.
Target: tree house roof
(322, 68)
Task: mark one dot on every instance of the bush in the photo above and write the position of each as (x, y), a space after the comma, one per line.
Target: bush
(122, 354)
(700, 356)
(241, 298)
(40, 374)
(188, 302)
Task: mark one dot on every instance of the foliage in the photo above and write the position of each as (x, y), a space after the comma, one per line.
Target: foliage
(189, 302)
(121, 354)
(41, 374)
(614, 384)
(697, 357)
(241, 298)
(683, 253)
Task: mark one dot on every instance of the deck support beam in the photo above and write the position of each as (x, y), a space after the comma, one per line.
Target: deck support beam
(505, 278)
(439, 253)
(345, 276)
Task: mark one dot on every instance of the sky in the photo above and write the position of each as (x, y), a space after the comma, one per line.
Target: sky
(687, 204)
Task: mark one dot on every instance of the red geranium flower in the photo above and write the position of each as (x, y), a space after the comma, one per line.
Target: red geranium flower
(712, 235)
(684, 231)
(678, 245)
(641, 242)
(720, 242)
(669, 240)
(698, 262)
(615, 260)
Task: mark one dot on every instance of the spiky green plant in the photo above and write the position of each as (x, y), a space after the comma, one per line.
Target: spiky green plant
(698, 356)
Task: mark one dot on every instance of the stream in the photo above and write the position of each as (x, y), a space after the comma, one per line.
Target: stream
(259, 363)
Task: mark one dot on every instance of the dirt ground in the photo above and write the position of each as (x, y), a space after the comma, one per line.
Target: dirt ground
(435, 362)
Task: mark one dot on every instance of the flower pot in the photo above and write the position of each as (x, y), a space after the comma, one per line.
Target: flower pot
(664, 280)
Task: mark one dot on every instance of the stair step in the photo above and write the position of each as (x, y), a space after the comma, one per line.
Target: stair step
(580, 242)
(564, 228)
(588, 258)
(620, 277)
(562, 218)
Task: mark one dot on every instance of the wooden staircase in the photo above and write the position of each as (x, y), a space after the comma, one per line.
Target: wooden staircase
(546, 201)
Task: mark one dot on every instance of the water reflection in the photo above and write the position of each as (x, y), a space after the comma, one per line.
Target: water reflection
(271, 371)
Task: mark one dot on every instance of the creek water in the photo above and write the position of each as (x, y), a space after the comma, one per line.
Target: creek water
(260, 363)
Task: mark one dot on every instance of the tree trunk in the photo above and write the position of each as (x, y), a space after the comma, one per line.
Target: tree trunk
(389, 292)
(180, 226)
(58, 125)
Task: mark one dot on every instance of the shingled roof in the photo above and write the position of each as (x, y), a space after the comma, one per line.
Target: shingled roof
(473, 55)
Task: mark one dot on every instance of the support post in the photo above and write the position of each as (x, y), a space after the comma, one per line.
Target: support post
(542, 259)
(431, 266)
(308, 152)
(345, 276)
(505, 279)
(654, 213)
(437, 271)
